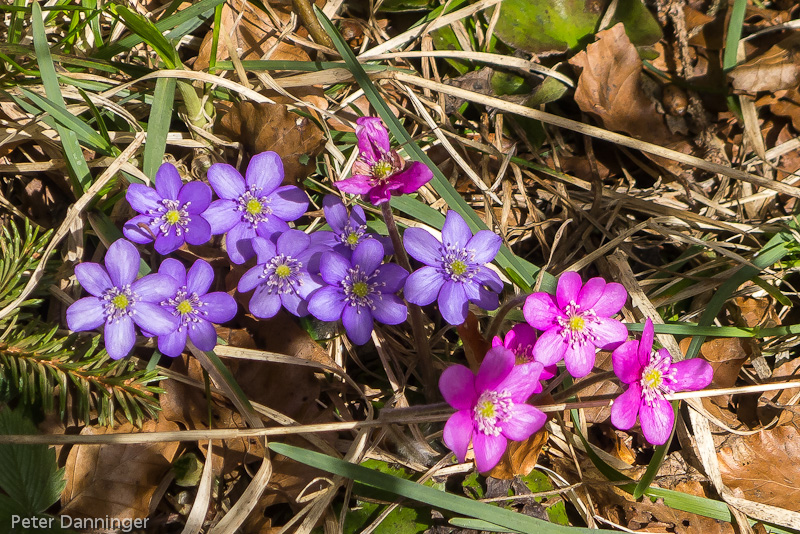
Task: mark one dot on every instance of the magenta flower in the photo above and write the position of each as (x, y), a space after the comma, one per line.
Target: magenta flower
(359, 291)
(379, 171)
(491, 406)
(254, 205)
(119, 300)
(347, 230)
(455, 272)
(520, 340)
(194, 307)
(650, 375)
(577, 323)
(170, 213)
(281, 276)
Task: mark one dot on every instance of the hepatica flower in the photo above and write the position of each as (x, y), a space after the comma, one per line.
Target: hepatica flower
(491, 406)
(359, 291)
(577, 323)
(281, 276)
(379, 172)
(455, 272)
(520, 340)
(348, 230)
(254, 205)
(170, 213)
(194, 307)
(650, 375)
(119, 301)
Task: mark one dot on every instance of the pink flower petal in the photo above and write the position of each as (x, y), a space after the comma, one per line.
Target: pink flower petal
(358, 184)
(612, 301)
(458, 433)
(373, 138)
(413, 177)
(540, 311)
(607, 332)
(579, 359)
(550, 347)
(525, 421)
(520, 335)
(488, 450)
(495, 368)
(626, 407)
(646, 342)
(457, 385)
(691, 375)
(657, 421)
(522, 381)
(591, 292)
(626, 364)
(569, 285)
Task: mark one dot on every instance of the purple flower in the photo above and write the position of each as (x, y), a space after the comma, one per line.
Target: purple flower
(359, 290)
(254, 205)
(119, 300)
(577, 323)
(170, 212)
(194, 307)
(455, 270)
(520, 340)
(348, 230)
(651, 375)
(379, 171)
(281, 277)
(491, 406)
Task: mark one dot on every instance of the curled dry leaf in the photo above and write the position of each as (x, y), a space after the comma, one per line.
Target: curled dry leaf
(520, 457)
(117, 480)
(775, 70)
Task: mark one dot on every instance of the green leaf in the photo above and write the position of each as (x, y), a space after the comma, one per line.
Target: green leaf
(79, 173)
(734, 34)
(29, 474)
(538, 482)
(158, 126)
(505, 258)
(150, 34)
(433, 497)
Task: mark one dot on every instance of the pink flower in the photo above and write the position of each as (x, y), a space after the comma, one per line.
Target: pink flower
(520, 340)
(577, 323)
(491, 406)
(379, 171)
(651, 375)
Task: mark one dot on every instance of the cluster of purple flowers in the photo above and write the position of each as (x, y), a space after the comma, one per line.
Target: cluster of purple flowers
(341, 275)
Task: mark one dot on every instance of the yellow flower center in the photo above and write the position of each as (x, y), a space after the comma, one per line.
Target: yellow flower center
(282, 270)
(653, 378)
(120, 302)
(576, 324)
(360, 289)
(352, 239)
(184, 307)
(458, 267)
(172, 216)
(254, 207)
(382, 169)
(486, 409)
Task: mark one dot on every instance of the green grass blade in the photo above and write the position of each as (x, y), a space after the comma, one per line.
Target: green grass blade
(79, 173)
(433, 497)
(505, 258)
(148, 32)
(158, 125)
(734, 34)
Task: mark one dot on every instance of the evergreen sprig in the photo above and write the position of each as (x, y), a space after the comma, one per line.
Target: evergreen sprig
(20, 253)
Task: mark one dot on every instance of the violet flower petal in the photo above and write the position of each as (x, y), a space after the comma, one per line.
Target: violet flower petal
(327, 304)
(485, 244)
(166, 244)
(453, 303)
(657, 421)
(172, 344)
(264, 304)
(197, 195)
(272, 228)
(335, 212)
(155, 287)
(368, 255)
(84, 314)
(142, 198)
(482, 297)
(488, 450)
(457, 384)
(392, 276)
(238, 242)
(358, 324)
(221, 215)
(154, 318)
(218, 307)
(626, 407)
(423, 286)
(168, 181)
(294, 304)
(228, 184)
(334, 268)
(120, 337)
(265, 171)
(199, 277)
(293, 242)
(458, 433)
(290, 203)
(199, 231)
(422, 246)
(390, 310)
(93, 278)
(203, 335)
(525, 421)
(265, 249)
(175, 269)
(122, 262)
(133, 232)
(455, 231)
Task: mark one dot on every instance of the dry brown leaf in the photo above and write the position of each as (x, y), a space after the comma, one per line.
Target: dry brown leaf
(603, 387)
(764, 466)
(757, 312)
(116, 480)
(777, 69)
(475, 345)
(770, 402)
(520, 457)
(788, 105)
(726, 356)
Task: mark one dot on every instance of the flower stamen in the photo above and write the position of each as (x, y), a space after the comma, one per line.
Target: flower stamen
(492, 408)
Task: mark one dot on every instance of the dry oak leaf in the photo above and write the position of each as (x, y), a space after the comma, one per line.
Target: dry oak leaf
(116, 480)
(764, 466)
(775, 70)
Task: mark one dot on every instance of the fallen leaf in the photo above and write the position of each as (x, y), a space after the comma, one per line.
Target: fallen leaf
(777, 69)
(520, 457)
(764, 466)
(603, 387)
(116, 480)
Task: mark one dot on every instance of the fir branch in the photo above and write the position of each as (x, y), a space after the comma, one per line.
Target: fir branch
(20, 252)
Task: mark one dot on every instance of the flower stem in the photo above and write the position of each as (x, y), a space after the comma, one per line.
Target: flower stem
(424, 359)
(497, 320)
